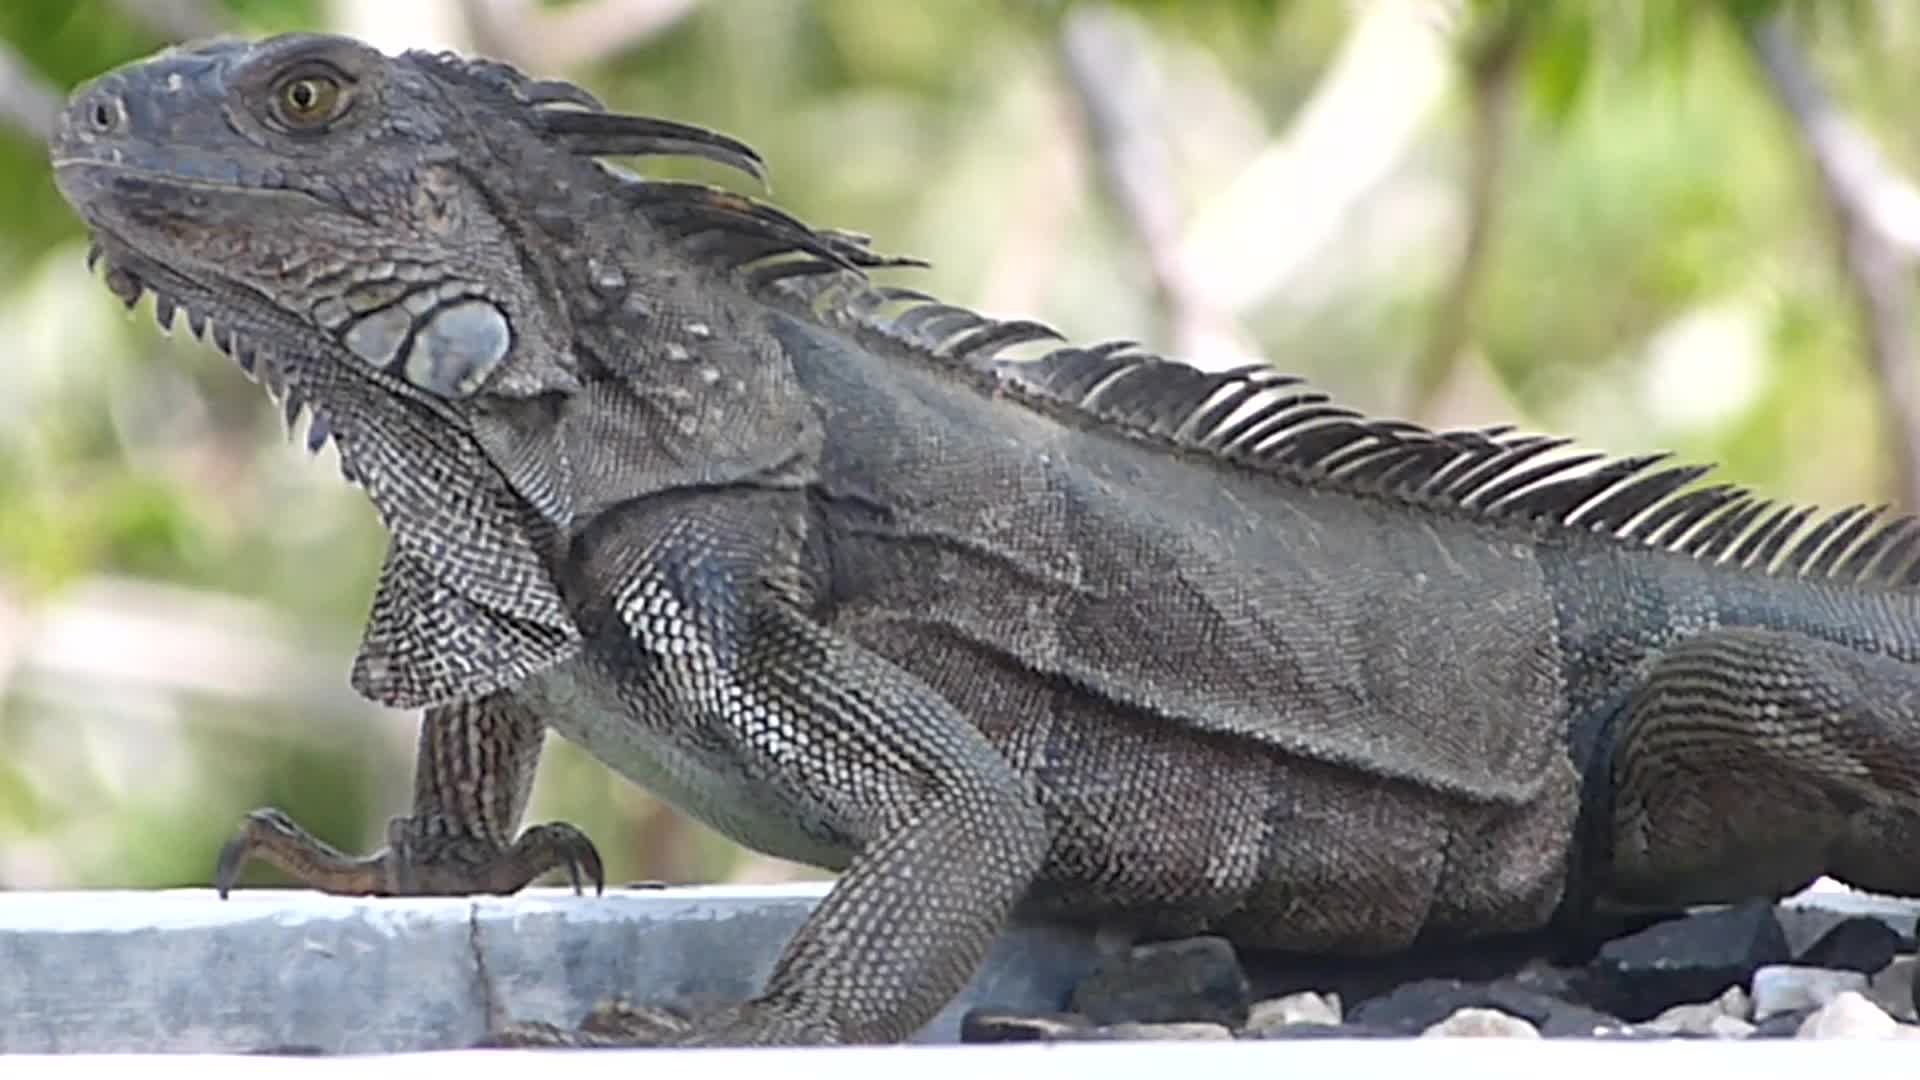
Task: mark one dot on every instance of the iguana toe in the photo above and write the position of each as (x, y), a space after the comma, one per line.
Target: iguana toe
(420, 859)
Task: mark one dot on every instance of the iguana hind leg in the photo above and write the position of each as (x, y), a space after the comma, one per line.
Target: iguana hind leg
(472, 775)
(1752, 761)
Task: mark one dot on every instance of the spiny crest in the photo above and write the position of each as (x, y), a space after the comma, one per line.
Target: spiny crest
(1275, 422)
(1253, 417)
(1260, 418)
(578, 122)
(728, 230)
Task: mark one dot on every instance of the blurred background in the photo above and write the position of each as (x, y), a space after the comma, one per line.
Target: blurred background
(1653, 224)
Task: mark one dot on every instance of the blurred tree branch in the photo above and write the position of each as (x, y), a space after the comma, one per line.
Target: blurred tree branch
(555, 39)
(175, 20)
(28, 103)
(1492, 57)
(417, 24)
(1876, 216)
(1372, 104)
(1109, 67)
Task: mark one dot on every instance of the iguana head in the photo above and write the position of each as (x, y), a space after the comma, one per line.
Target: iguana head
(299, 192)
(322, 205)
(423, 253)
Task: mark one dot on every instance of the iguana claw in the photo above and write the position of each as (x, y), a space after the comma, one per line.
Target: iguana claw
(417, 861)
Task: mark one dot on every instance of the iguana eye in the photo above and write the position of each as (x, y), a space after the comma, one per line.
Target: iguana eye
(308, 101)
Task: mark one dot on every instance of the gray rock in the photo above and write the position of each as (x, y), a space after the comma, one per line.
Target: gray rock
(1896, 988)
(1782, 988)
(1861, 943)
(1415, 1006)
(1195, 978)
(1780, 1025)
(997, 1026)
(1481, 1024)
(1187, 1031)
(1683, 960)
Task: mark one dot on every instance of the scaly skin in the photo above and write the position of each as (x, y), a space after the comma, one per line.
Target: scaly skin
(1095, 635)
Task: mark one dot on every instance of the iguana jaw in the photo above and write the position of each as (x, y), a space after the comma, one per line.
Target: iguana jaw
(217, 321)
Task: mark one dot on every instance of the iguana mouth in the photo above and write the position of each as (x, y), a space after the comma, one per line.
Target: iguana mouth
(128, 280)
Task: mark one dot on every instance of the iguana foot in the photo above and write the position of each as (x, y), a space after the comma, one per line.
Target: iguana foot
(618, 1023)
(417, 860)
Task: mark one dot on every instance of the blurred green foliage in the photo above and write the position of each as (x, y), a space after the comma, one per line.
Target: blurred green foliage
(180, 589)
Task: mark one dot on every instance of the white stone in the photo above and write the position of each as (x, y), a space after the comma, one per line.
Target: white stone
(1706, 1017)
(1305, 1007)
(1481, 1024)
(1779, 988)
(1848, 1016)
(1729, 1027)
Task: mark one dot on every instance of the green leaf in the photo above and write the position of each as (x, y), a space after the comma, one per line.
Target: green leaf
(1558, 64)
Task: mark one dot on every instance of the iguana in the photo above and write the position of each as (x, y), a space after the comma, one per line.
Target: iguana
(994, 624)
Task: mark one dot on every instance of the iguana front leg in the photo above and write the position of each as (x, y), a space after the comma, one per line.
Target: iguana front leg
(472, 774)
(1752, 761)
(797, 740)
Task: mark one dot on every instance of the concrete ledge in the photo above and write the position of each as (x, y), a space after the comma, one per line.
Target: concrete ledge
(1381, 1059)
(182, 971)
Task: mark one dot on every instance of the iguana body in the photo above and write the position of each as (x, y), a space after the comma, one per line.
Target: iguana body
(1094, 634)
